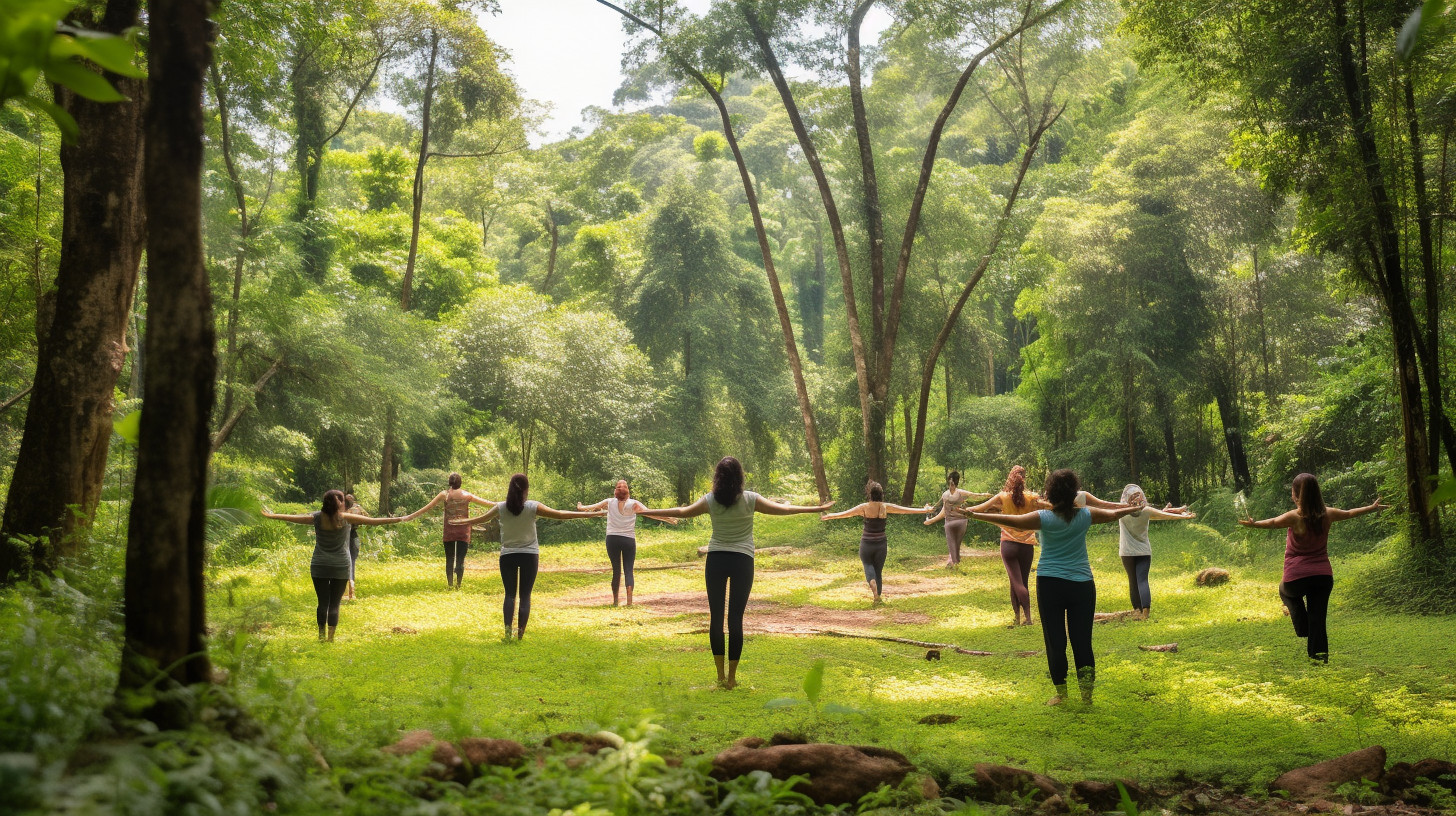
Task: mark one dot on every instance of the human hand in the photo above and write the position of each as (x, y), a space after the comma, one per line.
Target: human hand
(1247, 522)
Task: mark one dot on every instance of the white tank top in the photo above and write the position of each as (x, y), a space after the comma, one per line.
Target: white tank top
(621, 521)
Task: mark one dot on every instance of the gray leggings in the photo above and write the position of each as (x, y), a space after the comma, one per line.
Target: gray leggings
(1137, 580)
(955, 533)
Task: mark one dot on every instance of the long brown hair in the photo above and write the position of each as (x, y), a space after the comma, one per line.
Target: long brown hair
(516, 494)
(1311, 503)
(1061, 490)
(727, 481)
(1016, 486)
(333, 502)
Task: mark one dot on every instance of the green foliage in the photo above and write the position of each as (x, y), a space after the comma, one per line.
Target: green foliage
(709, 146)
(35, 42)
(989, 432)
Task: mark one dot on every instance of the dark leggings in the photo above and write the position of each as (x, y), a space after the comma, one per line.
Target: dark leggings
(1138, 590)
(1018, 557)
(730, 574)
(1308, 601)
(455, 559)
(1066, 609)
(622, 551)
(520, 567)
(330, 592)
(872, 555)
(353, 556)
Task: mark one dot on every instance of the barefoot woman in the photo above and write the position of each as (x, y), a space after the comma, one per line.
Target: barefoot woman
(729, 568)
(621, 512)
(1018, 547)
(873, 545)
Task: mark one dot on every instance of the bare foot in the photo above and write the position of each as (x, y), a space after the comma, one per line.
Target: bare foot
(730, 684)
(1056, 700)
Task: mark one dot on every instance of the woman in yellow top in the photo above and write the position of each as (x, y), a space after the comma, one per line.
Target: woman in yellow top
(1018, 547)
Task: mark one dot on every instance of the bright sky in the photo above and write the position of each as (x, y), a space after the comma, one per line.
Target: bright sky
(568, 53)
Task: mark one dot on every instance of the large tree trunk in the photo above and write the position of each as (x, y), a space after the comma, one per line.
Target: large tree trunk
(1170, 448)
(310, 144)
(417, 198)
(386, 463)
(240, 252)
(1233, 437)
(82, 332)
(164, 590)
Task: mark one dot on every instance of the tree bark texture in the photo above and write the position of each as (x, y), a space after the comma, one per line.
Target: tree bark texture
(417, 197)
(164, 591)
(61, 463)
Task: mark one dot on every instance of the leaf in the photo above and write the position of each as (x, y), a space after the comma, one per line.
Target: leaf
(783, 702)
(83, 81)
(814, 682)
(129, 427)
(1125, 802)
(1405, 42)
(1445, 492)
(70, 131)
(111, 52)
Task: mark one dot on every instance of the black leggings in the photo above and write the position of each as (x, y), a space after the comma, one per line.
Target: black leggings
(330, 592)
(1138, 590)
(622, 551)
(455, 559)
(353, 556)
(520, 567)
(1017, 558)
(730, 574)
(1308, 601)
(1066, 609)
(872, 556)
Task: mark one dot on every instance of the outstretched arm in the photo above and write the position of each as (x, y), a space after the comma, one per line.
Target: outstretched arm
(601, 505)
(906, 511)
(1100, 516)
(561, 515)
(439, 497)
(370, 521)
(1170, 515)
(769, 507)
(1025, 521)
(697, 508)
(857, 510)
(474, 499)
(296, 518)
(486, 516)
(1280, 521)
(1093, 501)
(1336, 514)
(937, 517)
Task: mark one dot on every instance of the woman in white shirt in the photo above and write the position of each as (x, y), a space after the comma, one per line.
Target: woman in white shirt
(622, 511)
(729, 568)
(1136, 550)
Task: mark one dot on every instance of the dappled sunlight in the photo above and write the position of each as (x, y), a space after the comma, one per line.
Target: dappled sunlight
(941, 686)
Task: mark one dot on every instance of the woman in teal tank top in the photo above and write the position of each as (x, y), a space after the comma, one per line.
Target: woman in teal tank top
(1066, 595)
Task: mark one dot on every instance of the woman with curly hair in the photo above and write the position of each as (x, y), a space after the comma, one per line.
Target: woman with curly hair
(1018, 547)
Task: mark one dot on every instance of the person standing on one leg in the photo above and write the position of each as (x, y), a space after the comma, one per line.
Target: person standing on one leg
(729, 567)
(955, 522)
(873, 544)
(1018, 547)
(329, 567)
(456, 530)
(1066, 595)
(520, 555)
(1135, 549)
(622, 514)
(1308, 577)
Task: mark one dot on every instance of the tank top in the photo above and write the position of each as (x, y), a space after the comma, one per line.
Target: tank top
(874, 531)
(1132, 533)
(1064, 546)
(1307, 555)
(621, 520)
(518, 532)
(732, 525)
(1010, 509)
(951, 503)
(330, 550)
(457, 509)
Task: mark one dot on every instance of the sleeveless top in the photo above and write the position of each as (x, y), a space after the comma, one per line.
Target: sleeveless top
(457, 509)
(1307, 555)
(1010, 509)
(1064, 546)
(950, 503)
(622, 522)
(330, 550)
(732, 525)
(1132, 533)
(518, 532)
(874, 531)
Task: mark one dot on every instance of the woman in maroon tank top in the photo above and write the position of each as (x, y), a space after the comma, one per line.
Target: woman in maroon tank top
(456, 532)
(1308, 578)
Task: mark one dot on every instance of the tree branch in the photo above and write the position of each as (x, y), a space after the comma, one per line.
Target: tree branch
(17, 398)
(221, 437)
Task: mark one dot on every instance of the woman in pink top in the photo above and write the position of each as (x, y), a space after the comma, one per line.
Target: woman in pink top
(456, 533)
(1308, 578)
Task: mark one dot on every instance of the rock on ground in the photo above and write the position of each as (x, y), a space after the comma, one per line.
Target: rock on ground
(996, 783)
(838, 774)
(480, 752)
(1323, 777)
(1213, 576)
(445, 761)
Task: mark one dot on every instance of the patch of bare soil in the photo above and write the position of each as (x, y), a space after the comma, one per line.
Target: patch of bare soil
(915, 586)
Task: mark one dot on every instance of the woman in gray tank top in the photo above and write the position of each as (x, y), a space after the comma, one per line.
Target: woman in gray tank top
(729, 568)
(331, 564)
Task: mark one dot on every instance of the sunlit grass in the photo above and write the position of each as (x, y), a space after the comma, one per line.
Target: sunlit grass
(1239, 701)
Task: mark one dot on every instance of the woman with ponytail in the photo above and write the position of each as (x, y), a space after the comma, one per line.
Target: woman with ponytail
(456, 532)
(331, 565)
(950, 510)
(1308, 577)
(1065, 594)
(1018, 547)
(520, 555)
(873, 545)
(729, 567)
